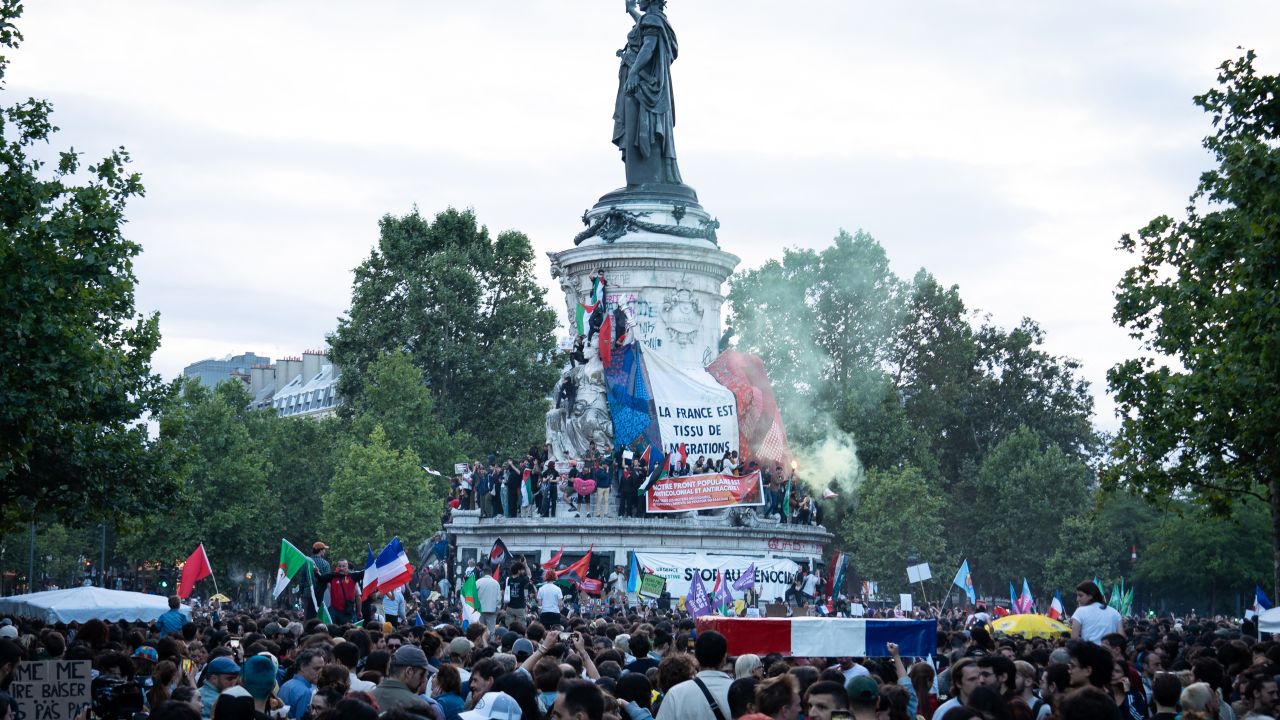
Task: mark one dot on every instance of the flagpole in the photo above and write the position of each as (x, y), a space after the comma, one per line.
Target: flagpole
(212, 575)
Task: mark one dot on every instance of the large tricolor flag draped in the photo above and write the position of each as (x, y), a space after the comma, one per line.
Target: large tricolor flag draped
(370, 580)
(196, 568)
(394, 569)
(291, 561)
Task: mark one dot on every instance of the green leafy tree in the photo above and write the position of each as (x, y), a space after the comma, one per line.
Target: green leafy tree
(396, 399)
(223, 500)
(1199, 410)
(1010, 511)
(378, 492)
(302, 454)
(897, 515)
(75, 356)
(467, 309)
(1194, 559)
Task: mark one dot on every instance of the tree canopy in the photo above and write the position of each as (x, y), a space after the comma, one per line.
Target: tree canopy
(466, 309)
(75, 355)
(1201, 407)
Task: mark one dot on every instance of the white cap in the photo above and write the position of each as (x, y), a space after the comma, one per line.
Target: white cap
(9, 631)
(494, 706)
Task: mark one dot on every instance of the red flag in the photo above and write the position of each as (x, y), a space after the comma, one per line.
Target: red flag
(554, 562)
(196, 568)
(604, 344)
(684, 455)
(577, 572)
(644, 456)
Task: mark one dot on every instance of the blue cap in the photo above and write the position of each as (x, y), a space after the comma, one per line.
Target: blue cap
(223, 666)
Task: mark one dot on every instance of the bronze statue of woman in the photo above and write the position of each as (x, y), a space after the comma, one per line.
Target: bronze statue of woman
(644, 114)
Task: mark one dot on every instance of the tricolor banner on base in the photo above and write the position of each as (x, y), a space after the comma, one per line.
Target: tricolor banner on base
(824, 636)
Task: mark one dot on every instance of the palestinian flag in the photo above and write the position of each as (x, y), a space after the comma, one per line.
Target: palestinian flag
(582, 319)
(291, 561)
(583, 312)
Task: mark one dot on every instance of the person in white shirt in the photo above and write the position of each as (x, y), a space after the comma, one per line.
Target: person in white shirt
(1093, 620)
(393, 606)
(550, 601)
(489, 595)
(686, 700)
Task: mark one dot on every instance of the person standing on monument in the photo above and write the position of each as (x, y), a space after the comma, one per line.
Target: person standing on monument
(644, 113)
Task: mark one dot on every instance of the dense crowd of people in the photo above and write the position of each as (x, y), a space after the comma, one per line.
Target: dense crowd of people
(536, 485)
(538, 660)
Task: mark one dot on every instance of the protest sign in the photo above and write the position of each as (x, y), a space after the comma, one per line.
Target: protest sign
(919, 573)
(772, 575)
(904, 601)
(51, 689)
(459, 468)
(651, 586)
(692, 409)
(703, 492)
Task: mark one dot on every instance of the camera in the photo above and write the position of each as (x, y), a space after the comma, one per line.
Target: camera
(115, 698)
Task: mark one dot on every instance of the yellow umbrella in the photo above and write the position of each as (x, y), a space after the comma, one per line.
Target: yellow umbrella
(1029, 625)
(220, 598)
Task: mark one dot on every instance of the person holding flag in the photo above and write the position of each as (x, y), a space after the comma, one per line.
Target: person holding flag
(344, 593)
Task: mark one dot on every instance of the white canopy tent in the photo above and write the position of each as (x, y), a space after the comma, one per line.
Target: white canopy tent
(1269, 620)
(79, 604)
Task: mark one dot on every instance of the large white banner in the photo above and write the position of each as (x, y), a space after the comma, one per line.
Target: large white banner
(773, 575)
(693, 409)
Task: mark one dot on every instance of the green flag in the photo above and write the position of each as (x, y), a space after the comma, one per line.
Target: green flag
(291, 561)
(469, 593)
(786, 501)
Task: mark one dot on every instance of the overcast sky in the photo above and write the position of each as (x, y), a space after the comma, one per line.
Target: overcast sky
(1004, 146)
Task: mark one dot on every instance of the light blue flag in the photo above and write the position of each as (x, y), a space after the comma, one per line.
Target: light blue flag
(633, 575)
(964, 581)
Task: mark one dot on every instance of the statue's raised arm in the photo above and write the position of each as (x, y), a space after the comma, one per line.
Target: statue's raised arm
(644, 114)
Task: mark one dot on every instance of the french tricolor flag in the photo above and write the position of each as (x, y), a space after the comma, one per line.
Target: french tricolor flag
(370, 579)
(393, 565)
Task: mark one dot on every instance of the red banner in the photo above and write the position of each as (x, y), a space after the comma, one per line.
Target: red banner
(703, 492)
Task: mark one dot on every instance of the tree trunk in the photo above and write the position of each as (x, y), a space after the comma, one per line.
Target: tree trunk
(1273, 487)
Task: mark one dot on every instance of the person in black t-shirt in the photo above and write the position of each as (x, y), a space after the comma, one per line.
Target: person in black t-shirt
(522, 589)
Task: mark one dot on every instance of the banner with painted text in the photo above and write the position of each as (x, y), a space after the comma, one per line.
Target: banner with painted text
(703, 492)
(692, 410)
(772, 575)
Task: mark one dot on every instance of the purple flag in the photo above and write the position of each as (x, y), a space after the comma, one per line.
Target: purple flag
(696, 603)
(747, 580)
(724, 596)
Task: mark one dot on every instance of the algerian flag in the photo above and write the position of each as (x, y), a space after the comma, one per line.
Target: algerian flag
(470, 601)
(291, 561)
